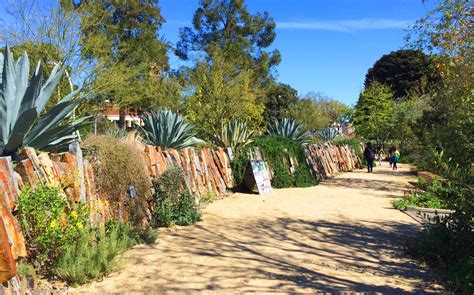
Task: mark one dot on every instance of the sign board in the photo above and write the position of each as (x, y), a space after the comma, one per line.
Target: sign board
(257, 174)
(133, 192)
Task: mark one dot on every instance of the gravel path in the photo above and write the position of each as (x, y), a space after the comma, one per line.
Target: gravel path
(341, 235)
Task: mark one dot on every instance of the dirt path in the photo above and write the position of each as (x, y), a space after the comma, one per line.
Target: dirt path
(338, 236)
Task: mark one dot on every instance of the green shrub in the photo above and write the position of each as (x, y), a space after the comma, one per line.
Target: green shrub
(175, 204)
(449, 247)
(118, 165)
(208, 198)
(276, 151)
(24, 269)
(94, 253)
(449, 244)
(420, 199)
(49, 223)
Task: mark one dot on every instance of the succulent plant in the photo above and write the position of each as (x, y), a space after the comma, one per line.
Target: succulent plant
(22, 103)
(328, 134)
(167, 129)
(290, 128)
(235, 135)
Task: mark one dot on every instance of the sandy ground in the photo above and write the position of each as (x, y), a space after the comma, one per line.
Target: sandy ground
(341, 235)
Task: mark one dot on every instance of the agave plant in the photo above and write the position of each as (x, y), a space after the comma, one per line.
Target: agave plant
(235, 135)
(289, 128)
(328, 134)
(22, 102)
(167, 129)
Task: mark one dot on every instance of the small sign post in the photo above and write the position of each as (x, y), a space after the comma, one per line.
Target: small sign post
(257, 174)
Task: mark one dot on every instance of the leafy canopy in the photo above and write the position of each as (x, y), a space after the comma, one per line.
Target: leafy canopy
(218, 93)
(373, 112)
(125, 46)
(228, 25)
(404, 71)
(280, 99)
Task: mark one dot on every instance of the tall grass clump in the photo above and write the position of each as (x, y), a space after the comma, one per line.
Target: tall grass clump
(119, 164)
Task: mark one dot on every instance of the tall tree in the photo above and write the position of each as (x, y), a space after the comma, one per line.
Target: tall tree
(373, 112)
(446, 32)
(280, 99)
(126, 48)
(241, 36)
(317, 111)
(218, 93)
(404, 71)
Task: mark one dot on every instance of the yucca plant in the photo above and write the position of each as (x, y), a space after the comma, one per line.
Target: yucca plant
(167, 129)
(289, 128)
(235, 135)
(22, 102)
(328, 134)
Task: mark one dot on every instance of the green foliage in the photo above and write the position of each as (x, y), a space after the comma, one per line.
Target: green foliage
(168, 129)
(24, 269)
(448, 125)
(118, 165)
(373, 112)
(243, 37)
(404, 71)
(94, 253)
(235, 135)
(144, 236)
(419, 199)
(277, 151)
(175, 204)
(450, 249)
(317, 112)
(449, 244)
(446, 33)
(22, 102)
(49, 223)
(288, 127)
(280, 99)
(121, 39)
(208, 198)
(219, 93)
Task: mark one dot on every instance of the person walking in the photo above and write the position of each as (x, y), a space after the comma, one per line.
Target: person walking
(390, 155)
(395, 158)
(380, 154)
(369, 156)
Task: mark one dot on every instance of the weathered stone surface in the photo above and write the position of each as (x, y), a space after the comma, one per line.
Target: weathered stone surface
(7, 263)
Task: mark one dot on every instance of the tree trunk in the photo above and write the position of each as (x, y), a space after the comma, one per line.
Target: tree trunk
(121, 121)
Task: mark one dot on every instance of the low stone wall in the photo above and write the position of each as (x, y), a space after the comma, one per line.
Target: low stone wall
(205, 170)
(327, 160)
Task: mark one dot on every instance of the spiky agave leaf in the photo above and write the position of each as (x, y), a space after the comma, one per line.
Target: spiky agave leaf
(235, 134)
(288, 127)
(328, 134)
(22, 102)
(168, 129)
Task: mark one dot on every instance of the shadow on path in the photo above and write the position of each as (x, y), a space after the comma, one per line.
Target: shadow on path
(292, 254)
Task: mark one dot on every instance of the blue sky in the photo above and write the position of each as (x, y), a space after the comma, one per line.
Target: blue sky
(327, 46)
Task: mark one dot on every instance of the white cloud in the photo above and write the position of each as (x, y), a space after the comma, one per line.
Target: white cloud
(346, 25)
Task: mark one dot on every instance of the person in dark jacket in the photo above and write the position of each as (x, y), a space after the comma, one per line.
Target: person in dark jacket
(390, 154)
(369, 156)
